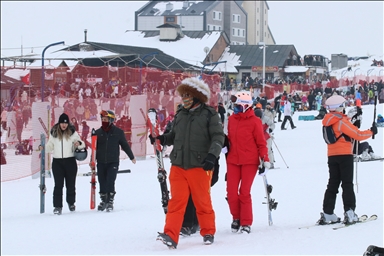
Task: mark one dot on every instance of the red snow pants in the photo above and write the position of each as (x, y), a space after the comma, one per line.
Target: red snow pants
(239, 183)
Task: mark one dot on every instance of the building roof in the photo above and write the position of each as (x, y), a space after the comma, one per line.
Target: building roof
(252, 55)
(158, 8)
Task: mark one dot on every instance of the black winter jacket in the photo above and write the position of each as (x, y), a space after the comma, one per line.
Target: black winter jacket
(108, 145)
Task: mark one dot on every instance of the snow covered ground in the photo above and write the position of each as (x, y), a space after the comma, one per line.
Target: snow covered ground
(132, 227)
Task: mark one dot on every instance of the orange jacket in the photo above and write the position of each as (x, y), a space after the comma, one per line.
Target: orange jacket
(341, 125)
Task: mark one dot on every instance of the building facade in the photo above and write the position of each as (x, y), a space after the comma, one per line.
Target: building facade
(244, 22)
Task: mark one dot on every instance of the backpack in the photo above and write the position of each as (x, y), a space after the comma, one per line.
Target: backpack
(330, 137)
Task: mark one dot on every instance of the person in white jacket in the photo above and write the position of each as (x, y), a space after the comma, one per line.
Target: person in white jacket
(63, 141)
(287, 114)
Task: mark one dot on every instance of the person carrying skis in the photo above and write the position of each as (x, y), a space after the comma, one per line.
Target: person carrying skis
(62, 142)
(340, 162)
(247, 151)
(109, 140)
(196, 145)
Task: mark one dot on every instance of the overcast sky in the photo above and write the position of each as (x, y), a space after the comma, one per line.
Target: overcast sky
(329, 27)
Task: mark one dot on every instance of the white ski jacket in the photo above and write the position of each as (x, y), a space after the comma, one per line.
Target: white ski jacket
(63, 148)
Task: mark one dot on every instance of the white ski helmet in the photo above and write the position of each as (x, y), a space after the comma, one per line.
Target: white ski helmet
(244, 99)
(335, 103)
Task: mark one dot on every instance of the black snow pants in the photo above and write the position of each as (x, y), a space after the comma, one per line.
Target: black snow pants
(64, 169)
(340, 171)
(106, 174)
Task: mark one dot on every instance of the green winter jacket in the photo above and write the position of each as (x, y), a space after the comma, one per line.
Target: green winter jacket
(194, 134)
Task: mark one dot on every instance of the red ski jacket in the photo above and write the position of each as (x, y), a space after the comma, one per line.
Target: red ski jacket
(246, 139)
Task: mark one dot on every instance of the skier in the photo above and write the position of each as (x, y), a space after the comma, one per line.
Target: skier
(247, 150)
(287, 114)
(266, 117)
(340, 162)
(64, 167)
(109, 140)
(193, 157)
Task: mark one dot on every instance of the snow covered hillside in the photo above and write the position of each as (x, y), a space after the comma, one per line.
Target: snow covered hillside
(132, 227)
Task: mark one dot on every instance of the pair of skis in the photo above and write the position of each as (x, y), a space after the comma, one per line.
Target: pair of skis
(154, 127)
(270, 202)
(362, 219)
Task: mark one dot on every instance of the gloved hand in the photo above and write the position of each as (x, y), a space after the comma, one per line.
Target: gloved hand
(270, 130)
(374, 129)
(209, 162)
(267, 165)
(161, 138)
(263, 170)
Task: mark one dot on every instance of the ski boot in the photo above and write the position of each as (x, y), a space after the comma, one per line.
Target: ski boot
(208, 239)
(350, 217)
(166, 240)
(235, 226)
(326, 219)
(246, 229)
(57, 210)
(103, 203)
(373, 250)
(109, 206)
(185, 231)
(71, 207)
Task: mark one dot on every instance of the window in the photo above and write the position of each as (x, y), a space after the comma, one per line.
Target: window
(169, 19)
(214, 27)
(219, 28)
(238, 32)
(243, 32)
(208, 27)
(233, 32)
(216, 15)
(236, 18)
(257, 33)
(257, 21)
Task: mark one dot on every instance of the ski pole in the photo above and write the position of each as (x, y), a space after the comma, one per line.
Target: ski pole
(374, 110)
(280, 153)
(357, 153)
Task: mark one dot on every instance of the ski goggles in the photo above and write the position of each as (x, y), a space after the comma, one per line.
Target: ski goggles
(107, 114)
(336, 106)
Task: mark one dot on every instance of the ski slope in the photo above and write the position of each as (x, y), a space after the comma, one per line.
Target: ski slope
(132, 227)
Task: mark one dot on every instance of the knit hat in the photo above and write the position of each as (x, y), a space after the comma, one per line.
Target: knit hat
(196, 88)
(64, 119)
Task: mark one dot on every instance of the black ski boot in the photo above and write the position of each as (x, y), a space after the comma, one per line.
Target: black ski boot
(72, 207)
(235, 226)
(57, 210)
(110, 201)
(208, 239)
(103, 203)
(165, 239)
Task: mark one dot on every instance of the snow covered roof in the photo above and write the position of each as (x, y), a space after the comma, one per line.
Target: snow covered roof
(159, 8)
(16, 73)
(188, 49)
(295, 69)
(361, 68)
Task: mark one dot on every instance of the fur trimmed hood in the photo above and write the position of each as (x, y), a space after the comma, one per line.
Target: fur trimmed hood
(196, 88)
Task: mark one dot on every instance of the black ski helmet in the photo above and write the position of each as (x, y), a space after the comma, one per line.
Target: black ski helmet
(81, 154)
